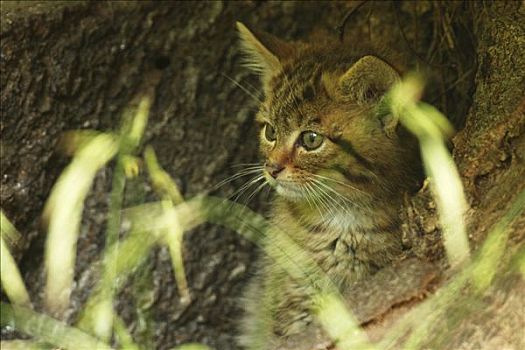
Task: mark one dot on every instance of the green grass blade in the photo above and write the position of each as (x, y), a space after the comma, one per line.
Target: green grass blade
(163, 184)
(191, 346)
(173, 236)
(339, 323)
(22, 345)
(12, 281)
(48, 329)
(131, 134)
(493, 249)
(420, 322)
(280, 247)
(432, 128)
(124, 338)
(8, 232)
(63, 213)
(166, 188)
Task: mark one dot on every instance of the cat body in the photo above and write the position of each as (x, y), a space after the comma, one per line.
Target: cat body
(339, 164)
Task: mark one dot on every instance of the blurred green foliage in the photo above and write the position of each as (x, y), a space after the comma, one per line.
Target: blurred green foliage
(164, 222)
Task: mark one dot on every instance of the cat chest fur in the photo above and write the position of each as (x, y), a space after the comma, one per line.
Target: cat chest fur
(343, 247)
(347, 243)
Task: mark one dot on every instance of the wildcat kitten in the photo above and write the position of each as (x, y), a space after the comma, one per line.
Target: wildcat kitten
(339, 164)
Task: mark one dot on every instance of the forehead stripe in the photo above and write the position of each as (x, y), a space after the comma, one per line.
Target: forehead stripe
(355, 178)
(347, 147)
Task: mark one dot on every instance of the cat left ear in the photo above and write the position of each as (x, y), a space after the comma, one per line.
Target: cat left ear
(264, 51)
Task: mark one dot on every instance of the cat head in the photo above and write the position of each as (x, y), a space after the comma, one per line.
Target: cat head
(323, 130)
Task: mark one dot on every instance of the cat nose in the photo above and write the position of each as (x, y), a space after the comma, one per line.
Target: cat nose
(273, 169)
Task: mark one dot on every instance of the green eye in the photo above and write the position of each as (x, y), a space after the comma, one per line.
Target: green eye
(311, 140)
(269, 132)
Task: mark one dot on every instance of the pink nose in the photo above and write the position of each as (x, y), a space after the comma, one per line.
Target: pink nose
(273, 169)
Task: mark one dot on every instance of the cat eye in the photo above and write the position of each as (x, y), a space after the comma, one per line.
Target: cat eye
(269, 132)
(311, 140)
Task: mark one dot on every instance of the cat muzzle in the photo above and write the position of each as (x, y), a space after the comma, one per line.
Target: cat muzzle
(273, 169)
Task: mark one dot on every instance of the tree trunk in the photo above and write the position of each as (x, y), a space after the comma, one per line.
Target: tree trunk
(77, 65)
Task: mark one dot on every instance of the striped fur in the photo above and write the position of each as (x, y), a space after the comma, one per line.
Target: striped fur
(340, 201)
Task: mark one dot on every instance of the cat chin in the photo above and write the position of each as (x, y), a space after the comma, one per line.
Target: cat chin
(288, 192)
(285, 189)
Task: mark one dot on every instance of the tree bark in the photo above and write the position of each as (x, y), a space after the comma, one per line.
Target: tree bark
(76, 66)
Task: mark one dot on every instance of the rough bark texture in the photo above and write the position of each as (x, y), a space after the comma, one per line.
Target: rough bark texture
(76, 65)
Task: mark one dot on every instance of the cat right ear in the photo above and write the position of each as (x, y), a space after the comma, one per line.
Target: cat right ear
(264, 52)
(368, 79)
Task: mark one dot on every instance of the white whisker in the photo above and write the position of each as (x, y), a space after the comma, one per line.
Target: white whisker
(327, 198)
(324, 205)
(245, 187)
(326, 190)
(254, 192)
(242, 173)
(311, 193)
(248, 92)
(339, 183)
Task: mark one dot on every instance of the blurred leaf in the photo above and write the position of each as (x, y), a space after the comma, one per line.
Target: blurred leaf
(144, 298)
(493, 249)
(128, 256)
(339, 323)
(131, 166)
(22, 345)
(63, 212)
(47, 329)
(166, 188)
(139, 122)
(131, 134)
(192, 346)
(72, 141)
(134, 120)
(521, 262)
(123, 336)
(162, 182)
(279, 246)
(432, 129)
(173, 235)
(422, 322)
(12, 281)
(8, 232)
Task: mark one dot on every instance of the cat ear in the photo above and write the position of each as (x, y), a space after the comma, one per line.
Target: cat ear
(368, 79)
(264, 51)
